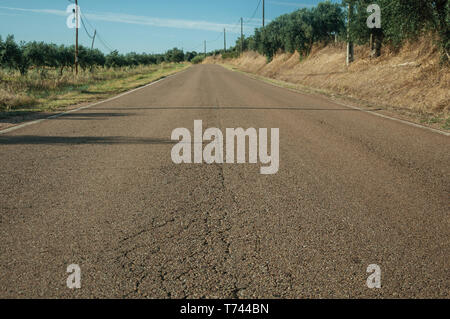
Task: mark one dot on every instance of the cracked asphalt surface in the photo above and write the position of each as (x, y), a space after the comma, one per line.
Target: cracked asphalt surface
(98, 188)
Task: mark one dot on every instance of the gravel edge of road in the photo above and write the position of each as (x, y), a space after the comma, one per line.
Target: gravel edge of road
(389, 112)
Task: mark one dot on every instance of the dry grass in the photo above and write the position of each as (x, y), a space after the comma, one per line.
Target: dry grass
(47, 91)
(410, 81)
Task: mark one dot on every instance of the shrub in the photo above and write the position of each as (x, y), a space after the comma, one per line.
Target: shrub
(198, 59)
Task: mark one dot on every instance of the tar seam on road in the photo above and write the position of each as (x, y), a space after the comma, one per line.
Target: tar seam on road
(11, 129)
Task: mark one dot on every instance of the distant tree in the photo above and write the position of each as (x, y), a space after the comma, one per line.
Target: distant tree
(197, 59)
(132, 59)
(114, 59)
(190, 55)
(174, 55)
(98, 58)
(12, 55)
(41, 54)
(64, 57)
(160, 58)
(91, 58)
(298, 31)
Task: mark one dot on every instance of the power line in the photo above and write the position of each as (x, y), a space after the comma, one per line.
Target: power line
(235, 26)
(104, 43)
(254, 13)
(85, 29)
(97, 35)
(87, 21)
(195, 49)
(216, 39)
(208, 41)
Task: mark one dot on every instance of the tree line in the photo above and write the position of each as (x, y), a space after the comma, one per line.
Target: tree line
(299, 30)
(25, 55)
(401, 20)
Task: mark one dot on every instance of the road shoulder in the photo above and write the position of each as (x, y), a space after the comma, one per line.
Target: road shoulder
(393, 113)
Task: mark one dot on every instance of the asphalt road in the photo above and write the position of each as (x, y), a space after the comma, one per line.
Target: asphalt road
(98, 188)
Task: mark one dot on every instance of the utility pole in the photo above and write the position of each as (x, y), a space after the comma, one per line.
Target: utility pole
(264, 12)
(242, 35)
(205, 48)
(76, 36)
(93, 40)
(224, 40)
(350, 52)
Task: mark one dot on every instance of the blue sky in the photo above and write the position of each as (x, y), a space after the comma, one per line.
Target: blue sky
(140, 25)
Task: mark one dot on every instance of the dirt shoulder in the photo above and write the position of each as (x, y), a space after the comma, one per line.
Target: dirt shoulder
(409, 84)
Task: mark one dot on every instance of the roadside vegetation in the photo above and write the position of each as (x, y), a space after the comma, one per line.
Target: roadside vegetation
(37, 76)
(33, 92)
(402, 21)
(198, 59)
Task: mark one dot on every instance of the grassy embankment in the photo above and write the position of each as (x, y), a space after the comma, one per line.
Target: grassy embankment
(409, 82)
(48, 91)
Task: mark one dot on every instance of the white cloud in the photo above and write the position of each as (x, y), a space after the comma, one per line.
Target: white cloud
(49, 11)
(141, 20)
(159, 22)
